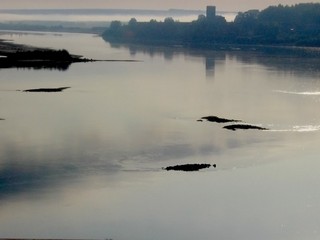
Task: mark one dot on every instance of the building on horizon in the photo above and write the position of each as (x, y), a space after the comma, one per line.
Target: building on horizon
(211, 13)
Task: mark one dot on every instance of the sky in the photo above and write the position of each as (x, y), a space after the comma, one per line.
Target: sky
(222, 5)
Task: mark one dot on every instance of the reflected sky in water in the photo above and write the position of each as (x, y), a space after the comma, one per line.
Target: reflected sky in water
(87, 162)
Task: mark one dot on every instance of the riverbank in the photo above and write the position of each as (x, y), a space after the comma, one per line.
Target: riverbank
(295, 25)
(14, 55)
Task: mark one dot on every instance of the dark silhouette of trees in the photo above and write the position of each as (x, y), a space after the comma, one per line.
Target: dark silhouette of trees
(39, 59)
(52, 55)
(133, 22)
(286, 25)
(276, 25)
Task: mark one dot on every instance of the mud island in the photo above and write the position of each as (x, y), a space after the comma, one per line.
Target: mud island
(22, 56)
(19, 56)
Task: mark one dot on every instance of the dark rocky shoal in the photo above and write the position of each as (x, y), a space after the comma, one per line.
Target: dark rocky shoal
(232, 127)
(189, 167)
(46, 89)
(235, 127)
(218, 119)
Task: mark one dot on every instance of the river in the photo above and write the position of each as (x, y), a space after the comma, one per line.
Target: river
(87, 162)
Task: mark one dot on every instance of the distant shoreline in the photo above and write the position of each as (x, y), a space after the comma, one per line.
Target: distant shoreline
(13, 55)
(88, 20)
(295, 25)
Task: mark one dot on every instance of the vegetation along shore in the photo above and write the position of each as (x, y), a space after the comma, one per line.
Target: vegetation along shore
(297, 25)
(23, 56)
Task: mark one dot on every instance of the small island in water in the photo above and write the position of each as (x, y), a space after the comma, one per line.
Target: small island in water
(189, 167)
(14, 55)
(297, 25)
(21, 56)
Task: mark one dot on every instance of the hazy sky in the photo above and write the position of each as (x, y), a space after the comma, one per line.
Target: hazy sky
(233, 5)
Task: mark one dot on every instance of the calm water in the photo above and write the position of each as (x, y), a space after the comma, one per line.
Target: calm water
(86, 163)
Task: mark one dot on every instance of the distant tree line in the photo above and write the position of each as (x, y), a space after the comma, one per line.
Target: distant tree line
(297, 25)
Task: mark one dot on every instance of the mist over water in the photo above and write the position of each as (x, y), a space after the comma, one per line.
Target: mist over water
(103, 16)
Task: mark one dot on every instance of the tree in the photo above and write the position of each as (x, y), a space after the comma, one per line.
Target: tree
(168, 20)
(133, 22)
(286, 25)
(201, 18)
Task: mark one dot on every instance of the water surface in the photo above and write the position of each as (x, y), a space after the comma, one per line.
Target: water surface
(87, 162)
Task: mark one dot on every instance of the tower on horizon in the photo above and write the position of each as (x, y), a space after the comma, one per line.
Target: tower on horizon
(211, 13)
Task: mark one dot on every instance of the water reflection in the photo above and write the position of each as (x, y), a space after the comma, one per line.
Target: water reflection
(210, 66)
(286, 59)
(87, 162)
(28, 167)
(40, 65)
(27, 170)
(152, 51)
(298, 61)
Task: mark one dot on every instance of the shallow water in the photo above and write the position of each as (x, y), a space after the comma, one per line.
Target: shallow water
(87, 162)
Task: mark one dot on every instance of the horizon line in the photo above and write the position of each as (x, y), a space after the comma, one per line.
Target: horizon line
(110, 9)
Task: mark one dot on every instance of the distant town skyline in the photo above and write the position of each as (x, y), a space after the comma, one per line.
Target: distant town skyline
(222, 5)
